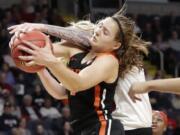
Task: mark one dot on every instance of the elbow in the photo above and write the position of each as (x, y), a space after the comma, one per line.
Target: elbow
(57, 97)
(76, 85)
(77, 88)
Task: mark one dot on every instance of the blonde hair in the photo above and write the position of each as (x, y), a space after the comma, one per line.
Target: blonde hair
(84, 25)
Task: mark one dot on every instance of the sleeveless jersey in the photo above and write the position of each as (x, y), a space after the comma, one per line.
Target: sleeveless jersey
(93, 105)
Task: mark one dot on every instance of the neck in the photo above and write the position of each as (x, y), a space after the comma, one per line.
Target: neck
(158, 133)
(91, 55)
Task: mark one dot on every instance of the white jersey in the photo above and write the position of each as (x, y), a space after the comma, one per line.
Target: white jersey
(132, 115)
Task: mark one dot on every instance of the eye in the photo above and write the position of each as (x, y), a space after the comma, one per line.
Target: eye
(105, 32)
(100, 26)
(159, 120)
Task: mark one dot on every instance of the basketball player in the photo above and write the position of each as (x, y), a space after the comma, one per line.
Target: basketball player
(132, 67)
(90, 98)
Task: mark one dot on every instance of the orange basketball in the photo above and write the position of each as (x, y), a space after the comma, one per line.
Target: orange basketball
(37, 38)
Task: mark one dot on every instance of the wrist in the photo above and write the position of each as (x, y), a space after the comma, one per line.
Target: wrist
(41, 71)
(53, 62)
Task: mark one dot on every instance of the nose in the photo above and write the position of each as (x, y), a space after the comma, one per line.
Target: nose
(154, 121)
(97, 31)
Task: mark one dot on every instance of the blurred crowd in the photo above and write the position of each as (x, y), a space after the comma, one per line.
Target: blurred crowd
(163, 32)
(27, 109)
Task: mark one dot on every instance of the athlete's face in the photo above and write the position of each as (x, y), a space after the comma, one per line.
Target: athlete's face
(158, 125)
(103, 39)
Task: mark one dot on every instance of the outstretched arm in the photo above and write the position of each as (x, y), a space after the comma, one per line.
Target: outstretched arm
(73, 35)
(161, 85)
(70, 34)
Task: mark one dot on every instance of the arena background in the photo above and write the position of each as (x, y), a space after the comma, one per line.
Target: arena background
(157, 21)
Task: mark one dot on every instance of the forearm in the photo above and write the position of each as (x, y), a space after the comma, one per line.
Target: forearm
(164, 85)
(74, 36)
(70, 80)
(51, 85)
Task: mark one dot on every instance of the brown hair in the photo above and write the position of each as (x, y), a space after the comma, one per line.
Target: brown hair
(132, 47)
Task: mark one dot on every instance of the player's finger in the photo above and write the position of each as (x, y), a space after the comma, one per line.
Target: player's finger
(17, 33)
(13, 31)
(26, 49)
(31, 63)
(12, 27)
(48, 42)
(137, 98)
(30, 44)
(11, 41)
(26, 58)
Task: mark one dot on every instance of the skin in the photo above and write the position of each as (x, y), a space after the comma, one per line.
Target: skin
(102, 41)
(161, 85)
(72, 35)
(159, 125)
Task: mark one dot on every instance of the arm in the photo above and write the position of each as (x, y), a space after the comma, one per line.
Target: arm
(55, 89)
(64, 49)
(60, 49)
(161, 85)
(71, 80)
(84, 80)
(164, 85)
(73, 35)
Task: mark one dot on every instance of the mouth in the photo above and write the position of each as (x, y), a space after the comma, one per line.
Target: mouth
(154, 126)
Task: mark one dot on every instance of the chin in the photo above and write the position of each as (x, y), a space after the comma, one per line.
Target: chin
(94, 44)
(155, 130)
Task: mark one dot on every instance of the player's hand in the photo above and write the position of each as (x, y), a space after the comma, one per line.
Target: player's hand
(135, 89)
(40, 56)
(18, 30)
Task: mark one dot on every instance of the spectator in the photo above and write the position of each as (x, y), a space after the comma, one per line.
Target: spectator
(28, 110)
(174, 42)
(3, 84)
(7, 120)
(8, 59)
(41, 131)
(67, 129)
(156, 25)
(147, 32)
(22, 129)
(159, 43)
(10, 79)
(62, 126)
(160, 122)
(137, 29)
(38, 96)
(16, 111)
(48, 111)
(176, 102)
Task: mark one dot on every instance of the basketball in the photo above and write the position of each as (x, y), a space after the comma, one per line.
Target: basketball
(37, 38)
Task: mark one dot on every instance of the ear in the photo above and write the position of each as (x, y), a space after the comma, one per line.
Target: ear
(117, 45)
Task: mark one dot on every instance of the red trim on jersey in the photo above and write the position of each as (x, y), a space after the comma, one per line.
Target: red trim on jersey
(97, 102)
